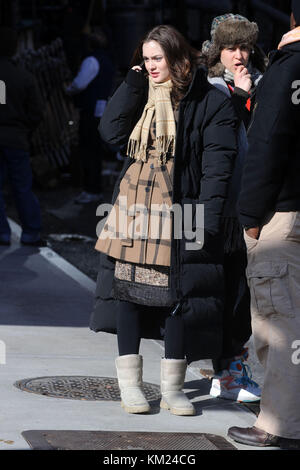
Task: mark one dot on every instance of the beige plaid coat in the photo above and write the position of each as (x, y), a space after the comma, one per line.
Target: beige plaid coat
(143, 236)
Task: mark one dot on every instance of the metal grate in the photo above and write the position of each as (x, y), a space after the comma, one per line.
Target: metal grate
(81, 388)
(110, 440)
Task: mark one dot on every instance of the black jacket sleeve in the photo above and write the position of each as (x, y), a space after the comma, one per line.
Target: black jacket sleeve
(124, 109)
(272, 136)
(220, 149)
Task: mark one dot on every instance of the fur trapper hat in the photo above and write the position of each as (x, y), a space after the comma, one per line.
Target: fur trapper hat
(227, 31)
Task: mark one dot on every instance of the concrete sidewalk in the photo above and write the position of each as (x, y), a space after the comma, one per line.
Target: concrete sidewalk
(45, 305)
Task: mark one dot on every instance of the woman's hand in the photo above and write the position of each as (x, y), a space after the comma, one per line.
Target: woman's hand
(242, 79)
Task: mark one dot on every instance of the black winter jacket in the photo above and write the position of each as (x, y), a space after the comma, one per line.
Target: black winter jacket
(23, 110)
(204, 157)
(271, 173)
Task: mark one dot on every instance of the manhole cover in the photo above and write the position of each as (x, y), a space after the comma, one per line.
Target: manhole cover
(112, 440)
(81, 388)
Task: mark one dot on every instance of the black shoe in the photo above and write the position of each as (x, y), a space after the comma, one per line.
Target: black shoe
(4, 242)
(253, 437)
(37, 243)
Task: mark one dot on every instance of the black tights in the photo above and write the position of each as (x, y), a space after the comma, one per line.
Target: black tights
(129, 331)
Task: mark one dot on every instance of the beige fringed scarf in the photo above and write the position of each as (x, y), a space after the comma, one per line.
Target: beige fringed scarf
(159, 101)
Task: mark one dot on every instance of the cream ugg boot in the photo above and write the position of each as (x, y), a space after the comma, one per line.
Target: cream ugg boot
(129, 373)
(172, 380)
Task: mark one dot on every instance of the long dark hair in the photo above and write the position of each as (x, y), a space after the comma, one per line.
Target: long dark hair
(181, 58)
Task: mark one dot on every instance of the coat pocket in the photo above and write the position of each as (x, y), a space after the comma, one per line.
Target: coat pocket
(249, 241)
(294, 233)
(269, 286)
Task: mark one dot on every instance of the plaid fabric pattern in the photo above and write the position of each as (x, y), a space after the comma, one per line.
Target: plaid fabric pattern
(216, 22)
(143, 237)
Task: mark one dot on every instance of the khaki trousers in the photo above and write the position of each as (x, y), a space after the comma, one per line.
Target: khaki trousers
(273, 274)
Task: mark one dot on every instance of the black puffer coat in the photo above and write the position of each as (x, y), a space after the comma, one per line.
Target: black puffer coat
(204, 157)
(273, 159)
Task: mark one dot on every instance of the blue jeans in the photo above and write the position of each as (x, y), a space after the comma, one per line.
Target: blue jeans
(15, 164)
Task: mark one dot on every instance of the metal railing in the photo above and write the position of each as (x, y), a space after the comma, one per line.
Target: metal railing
(57, 131)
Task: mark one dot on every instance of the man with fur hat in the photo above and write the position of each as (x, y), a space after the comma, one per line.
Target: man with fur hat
(269, 208)
(235, 66)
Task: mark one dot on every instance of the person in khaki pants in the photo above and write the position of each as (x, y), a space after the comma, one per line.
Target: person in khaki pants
(269, 208)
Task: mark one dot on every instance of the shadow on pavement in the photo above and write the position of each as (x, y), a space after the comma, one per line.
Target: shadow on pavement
(35, 292)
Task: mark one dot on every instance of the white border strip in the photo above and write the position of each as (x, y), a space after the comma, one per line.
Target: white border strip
(59, 262)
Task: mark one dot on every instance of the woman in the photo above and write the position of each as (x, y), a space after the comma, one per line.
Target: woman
(180, 137)
(235, 66)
